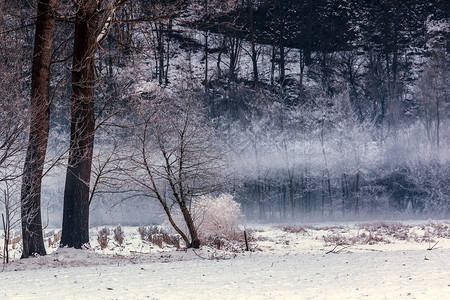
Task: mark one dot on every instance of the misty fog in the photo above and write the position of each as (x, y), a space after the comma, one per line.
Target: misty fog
(339, 119)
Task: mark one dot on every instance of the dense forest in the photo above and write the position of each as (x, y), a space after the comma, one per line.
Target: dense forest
(300, 109)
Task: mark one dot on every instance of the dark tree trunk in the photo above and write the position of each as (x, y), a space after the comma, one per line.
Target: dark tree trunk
(323, 195)
(272, 66)
(169, 38)
(234, 46)
(302, 64)
(282, 64)
(254, 54)
(291, 194)
(344, 191)
(160, 42)
(195, 241)
(33, 242)
(206, 48)
(309, 33)
(75, 227)
(219, 61)
(206, 60)
(356, 204)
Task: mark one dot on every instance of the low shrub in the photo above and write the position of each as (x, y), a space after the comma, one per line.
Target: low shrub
(157, 236)
(119, 235)
(102, 237)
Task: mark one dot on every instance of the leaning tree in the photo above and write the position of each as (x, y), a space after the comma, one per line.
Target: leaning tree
(176, 159)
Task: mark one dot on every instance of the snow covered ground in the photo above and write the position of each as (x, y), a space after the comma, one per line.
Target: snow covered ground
(319, 261)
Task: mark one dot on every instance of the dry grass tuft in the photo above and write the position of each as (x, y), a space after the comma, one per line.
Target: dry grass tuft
(433, 231)
(360, 239)
(102, 237)
(295, 229)
(157, 236)
(222, 243)
(119, 235)
(395, 231)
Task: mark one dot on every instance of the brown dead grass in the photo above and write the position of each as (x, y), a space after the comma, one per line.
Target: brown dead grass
(305, 229)
(360, 239)
(102, 237)
(376, 233)
(295, 229)
(434, 231)
(396, 231)
(157, 236)
(401, 232)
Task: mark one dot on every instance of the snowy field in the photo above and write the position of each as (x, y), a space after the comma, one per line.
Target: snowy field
(315, 261)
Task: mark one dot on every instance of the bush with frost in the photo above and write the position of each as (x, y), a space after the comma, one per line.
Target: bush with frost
(215, 216)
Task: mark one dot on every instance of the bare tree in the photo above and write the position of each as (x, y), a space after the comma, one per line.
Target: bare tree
(11, 142)
(177, 159)
(93, 21)
(12, 146)
(10, 219)
(13, 104)
(33, 242)
(75, 227)
(157, 34)
(14, 116)
(109, 161)
(254, 54)
(434, 94)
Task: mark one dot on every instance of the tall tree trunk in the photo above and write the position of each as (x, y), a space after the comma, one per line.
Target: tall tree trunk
(309, 33)
(302, 65)
(206, 60)
(206, 47)
(219, 61)
(282, 64)
(291, 194)
(254, 54)
(438, 98)
(234, 46)
(272, 66)
(169, 38)
(356, 204)
(344, 192)
(327, 170)
(75, 227)
(33, 242)
(160, 40)
(323, 196)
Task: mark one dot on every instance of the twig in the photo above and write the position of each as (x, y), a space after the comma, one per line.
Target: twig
(199, 255)
(5, 255)
(431, 248)
(213, 256)
(337, 251)
(332, 250)
(343, 248)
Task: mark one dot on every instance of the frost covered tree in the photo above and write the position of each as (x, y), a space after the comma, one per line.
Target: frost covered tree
(176, 158)
(434, 95)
